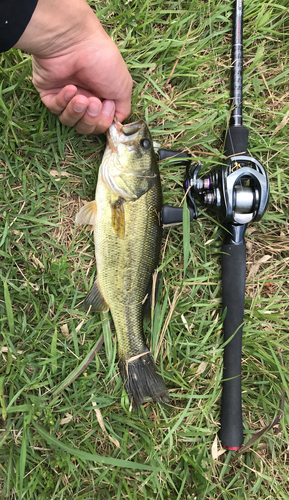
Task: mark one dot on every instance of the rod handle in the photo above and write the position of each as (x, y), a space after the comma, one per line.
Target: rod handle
(233, 295)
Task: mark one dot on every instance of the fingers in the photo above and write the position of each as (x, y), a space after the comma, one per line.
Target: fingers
(86, 113)
(97, 118)
(57, 102)
(123, 106)
(122, 110)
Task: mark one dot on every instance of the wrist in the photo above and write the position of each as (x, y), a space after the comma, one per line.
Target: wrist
(57, 25)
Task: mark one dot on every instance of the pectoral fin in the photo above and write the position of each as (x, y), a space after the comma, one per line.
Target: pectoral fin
(95, 300)
(117, 217)
(87, 214)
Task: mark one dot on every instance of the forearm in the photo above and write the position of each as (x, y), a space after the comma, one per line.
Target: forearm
(57, 24)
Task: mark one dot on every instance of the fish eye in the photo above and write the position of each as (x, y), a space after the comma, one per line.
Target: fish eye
(145, 143)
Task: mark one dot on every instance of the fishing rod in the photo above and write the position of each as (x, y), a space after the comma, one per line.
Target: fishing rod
(237, 192)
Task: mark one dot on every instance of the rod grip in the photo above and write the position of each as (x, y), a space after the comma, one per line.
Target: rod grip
(233, 295)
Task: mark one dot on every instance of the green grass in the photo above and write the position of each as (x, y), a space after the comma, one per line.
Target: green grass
(84, 443)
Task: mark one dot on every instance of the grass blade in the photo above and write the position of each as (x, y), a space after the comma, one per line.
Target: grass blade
(9, 310)
(186, 235)
(114, 462)
(53, 351)
(2, 400)
(79, 369)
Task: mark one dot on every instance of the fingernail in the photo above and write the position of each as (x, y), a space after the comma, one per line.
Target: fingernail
(94, 108)
(79, 107)
(108, 108)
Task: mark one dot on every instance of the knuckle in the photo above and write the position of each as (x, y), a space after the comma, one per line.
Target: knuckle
(66, 119)
(82, 128)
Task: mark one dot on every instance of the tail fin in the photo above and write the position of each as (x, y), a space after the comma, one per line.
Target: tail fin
(142, 380)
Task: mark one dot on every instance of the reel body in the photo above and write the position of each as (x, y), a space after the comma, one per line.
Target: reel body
(237, 191)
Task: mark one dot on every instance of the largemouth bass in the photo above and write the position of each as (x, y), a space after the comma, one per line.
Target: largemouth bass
(125, 216)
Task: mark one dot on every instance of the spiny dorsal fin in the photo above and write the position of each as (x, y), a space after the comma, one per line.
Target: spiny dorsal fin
(87, 214)
(95, 299)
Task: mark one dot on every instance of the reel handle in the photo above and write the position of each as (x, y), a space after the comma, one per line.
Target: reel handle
(181, 157)
(233, 295)
(174, 215)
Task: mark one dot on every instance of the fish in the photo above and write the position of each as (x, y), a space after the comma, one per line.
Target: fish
(126, 222)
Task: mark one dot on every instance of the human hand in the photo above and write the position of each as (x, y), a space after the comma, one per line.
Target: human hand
(86, 86)
(78, 71)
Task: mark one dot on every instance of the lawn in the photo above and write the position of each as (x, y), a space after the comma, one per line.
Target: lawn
(65, 436)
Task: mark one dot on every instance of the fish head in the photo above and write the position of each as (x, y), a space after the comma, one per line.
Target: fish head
(129, 166)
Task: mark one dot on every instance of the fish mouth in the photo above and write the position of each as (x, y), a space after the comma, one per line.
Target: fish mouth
(132, 128)
(119, 133)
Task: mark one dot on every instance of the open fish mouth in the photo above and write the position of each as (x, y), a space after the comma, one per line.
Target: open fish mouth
(132, 128)
(119, 133)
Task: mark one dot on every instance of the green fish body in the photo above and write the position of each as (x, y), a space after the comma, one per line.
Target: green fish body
(125, 216)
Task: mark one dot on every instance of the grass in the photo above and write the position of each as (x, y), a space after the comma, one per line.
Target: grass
(83, 442)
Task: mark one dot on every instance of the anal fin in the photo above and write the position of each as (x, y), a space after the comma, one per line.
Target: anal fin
(95, 300)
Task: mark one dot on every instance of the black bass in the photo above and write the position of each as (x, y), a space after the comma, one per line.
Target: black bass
(125, 216)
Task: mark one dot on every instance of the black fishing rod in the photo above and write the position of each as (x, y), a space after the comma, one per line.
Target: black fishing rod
(237, 192)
